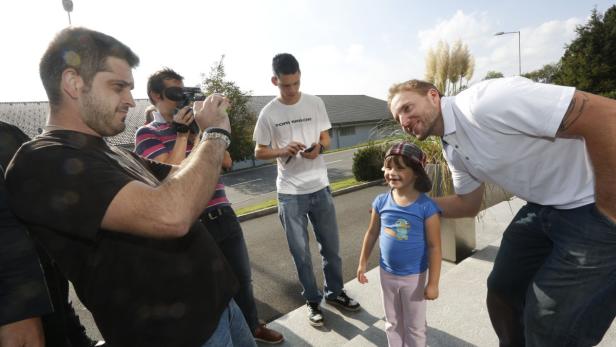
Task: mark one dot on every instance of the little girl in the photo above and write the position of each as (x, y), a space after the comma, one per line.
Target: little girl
(408, 224)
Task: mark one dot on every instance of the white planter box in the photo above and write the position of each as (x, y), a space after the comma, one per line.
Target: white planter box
(457, 238)
(458, 235)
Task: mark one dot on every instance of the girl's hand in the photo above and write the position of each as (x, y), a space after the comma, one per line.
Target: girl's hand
(431, 292)
(361, 275)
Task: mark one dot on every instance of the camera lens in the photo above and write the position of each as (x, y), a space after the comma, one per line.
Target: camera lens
(174, 93)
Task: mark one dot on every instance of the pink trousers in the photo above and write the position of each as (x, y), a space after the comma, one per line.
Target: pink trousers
(405, 309)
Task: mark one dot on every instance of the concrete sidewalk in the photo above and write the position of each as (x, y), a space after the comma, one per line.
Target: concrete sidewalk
(457, 318)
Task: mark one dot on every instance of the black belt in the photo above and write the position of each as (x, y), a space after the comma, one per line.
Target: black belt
(217, 212)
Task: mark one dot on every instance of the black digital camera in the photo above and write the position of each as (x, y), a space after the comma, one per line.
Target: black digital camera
(185, 96)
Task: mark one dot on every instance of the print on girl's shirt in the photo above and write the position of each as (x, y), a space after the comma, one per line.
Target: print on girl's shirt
(401, 231)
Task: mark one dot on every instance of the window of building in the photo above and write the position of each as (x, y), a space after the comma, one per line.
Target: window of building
(347, 131)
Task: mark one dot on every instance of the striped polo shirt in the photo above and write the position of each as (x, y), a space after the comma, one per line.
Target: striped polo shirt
(158, 137)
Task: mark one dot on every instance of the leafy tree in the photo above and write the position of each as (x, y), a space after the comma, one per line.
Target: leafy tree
(447, 68)
(242, 119)
(493, 74)
(589, 62)
(546, 74)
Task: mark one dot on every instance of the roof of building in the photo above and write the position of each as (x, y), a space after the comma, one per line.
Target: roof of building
(341, 108)
(30, 117)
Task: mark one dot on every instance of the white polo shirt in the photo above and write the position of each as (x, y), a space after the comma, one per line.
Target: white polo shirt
(503, 131)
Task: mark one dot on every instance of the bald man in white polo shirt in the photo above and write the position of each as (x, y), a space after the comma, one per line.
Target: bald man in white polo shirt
(554, 278)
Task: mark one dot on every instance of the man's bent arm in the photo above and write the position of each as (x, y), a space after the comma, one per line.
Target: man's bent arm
(264, 152)
(324, 139)
(459, 206)
(169, 209)
(593, 118)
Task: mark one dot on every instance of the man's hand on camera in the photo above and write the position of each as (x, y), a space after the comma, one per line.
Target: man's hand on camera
(184, 116)
(181, 121)
(212, 112)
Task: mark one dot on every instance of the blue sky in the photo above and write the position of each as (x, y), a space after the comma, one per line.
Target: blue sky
(344, 47)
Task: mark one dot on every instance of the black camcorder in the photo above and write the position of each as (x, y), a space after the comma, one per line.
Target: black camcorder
(185, 96)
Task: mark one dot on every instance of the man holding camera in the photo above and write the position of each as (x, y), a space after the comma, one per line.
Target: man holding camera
(293, 128)
(123, 229)
(169, 139)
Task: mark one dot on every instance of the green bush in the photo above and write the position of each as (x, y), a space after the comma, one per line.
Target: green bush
(368, 162)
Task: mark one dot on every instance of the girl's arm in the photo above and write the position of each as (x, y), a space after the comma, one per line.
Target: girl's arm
(372, 234)
(433, 237)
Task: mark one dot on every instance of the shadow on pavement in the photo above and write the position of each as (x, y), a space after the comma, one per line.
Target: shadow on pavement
(487, 254)
(438, 338)
(338, 321)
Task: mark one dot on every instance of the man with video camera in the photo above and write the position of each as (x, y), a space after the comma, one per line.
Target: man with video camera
(170, 136)
(169, 139)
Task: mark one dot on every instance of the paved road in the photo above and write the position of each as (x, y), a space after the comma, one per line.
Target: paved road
(251, 186)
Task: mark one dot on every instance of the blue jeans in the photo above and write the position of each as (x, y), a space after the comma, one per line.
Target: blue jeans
(294, 212)
(232, 330)
(554, 278)
(225, 228)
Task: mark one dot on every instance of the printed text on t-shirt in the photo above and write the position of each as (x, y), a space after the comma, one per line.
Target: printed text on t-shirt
(299, 120)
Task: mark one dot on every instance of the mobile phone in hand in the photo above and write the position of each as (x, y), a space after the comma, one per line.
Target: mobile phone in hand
(309, 149)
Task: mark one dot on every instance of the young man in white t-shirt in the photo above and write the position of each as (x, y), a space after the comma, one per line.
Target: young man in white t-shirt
(554, 278)
(293, 128)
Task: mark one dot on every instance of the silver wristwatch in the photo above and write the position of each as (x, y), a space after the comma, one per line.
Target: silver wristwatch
(216, 135)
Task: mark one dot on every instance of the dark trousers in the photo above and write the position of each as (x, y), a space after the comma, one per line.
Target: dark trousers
(554, 278)
(224, 226)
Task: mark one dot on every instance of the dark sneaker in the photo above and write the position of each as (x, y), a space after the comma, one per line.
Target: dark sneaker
(315, 316)
(266, 335)
(344, 302)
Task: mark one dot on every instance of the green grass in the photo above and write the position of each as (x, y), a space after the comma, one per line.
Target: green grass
(259, 206)
(349, 182)
(338, 185)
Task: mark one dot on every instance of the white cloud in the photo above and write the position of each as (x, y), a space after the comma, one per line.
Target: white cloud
(470, 29)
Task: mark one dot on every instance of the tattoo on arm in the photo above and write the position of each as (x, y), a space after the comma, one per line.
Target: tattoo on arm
(572, 115)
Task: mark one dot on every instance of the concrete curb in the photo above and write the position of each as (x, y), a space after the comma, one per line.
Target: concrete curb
(274, 209)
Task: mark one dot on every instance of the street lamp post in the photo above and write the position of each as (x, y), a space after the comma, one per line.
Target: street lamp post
(68, 7)
(519, 47)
